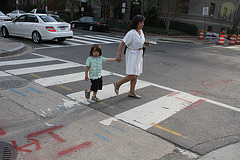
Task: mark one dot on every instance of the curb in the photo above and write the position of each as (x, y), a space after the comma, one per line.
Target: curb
(13, 51)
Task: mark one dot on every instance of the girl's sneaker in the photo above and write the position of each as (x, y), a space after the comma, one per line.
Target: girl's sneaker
(95, 99)
(87, 94)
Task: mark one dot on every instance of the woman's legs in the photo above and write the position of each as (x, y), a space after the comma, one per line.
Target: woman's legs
(132, 79)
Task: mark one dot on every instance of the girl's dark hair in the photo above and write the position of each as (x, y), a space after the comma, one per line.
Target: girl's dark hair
(95, 47)
(135, 20)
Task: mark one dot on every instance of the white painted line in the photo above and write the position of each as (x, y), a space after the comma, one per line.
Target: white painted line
(108, 39)
(3, 74)
(107, 92)
(21, 71)
(67, 78)
(25, 61)
(116, 38)
(95, 40)
(78, 40)
(155, 111)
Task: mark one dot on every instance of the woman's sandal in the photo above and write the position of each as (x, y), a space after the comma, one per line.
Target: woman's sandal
(87, 94)
(95, 99)
(134, 95)
(116, 90)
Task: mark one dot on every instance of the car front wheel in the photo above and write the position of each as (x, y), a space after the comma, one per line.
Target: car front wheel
(36, 37)
(5, 32)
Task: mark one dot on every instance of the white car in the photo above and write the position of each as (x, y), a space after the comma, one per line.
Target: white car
(38, 27)
(4, 18)
(15, 13)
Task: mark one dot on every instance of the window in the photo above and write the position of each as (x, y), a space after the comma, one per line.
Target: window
(47, 18)
(212, 9)
(182, 6)
(31, 18)
(21, 19)
(230, 16)
(219, 12)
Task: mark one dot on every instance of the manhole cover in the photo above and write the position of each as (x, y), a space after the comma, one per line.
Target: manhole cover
(12, 84)
(7, 151)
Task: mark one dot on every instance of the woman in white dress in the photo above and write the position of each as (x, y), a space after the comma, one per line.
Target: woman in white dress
(134, 40)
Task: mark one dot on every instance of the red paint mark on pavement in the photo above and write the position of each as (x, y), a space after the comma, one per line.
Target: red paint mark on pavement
(81, 146)
(173, 94)
(203, 82)
(197, 92)
(57, 137)
(43, 131)
(2, 133)
(24, 146)
(196, 103)
(224, 89)
(183, 99)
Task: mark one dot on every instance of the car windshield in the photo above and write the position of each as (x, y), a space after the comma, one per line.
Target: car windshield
(1, 14)
(47, 18)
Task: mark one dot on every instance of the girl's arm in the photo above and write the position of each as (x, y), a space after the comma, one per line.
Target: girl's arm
(111, 59)
(86, 73)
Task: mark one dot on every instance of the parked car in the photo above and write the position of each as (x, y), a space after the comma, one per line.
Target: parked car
(90, 23)
(37, 27)
(38, 11)
(15, 13)
(4, 18)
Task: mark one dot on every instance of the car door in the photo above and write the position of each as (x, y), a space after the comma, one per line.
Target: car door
(29, 25)
(88, 22)
(81, 22)
(15, 27)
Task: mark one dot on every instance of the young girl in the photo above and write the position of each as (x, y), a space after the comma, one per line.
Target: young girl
(94, 67)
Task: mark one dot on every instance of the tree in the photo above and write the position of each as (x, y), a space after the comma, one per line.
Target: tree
(105, 7)
(147, 6)
(71, 4)
(169, 6)
(236, 20)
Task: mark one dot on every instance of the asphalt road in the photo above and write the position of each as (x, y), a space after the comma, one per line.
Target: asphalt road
(190, 95)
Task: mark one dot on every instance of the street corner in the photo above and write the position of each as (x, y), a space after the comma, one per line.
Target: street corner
(83, 136)
(10, 48)
(33, 97)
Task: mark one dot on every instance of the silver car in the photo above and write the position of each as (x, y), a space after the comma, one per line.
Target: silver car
(38, 27)
(15, 13)
(4, 18)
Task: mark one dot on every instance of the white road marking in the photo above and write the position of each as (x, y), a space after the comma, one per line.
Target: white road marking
(67, 78)
(3, 74)
(21, 71)
(95, 40)
(25, 61)
(107, 92)
(104, 38)
(155, 111)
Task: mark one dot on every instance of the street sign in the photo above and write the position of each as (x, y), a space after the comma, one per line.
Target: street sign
(205, 11)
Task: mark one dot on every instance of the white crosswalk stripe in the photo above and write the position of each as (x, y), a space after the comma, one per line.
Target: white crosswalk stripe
(83, 40)
(142, 116)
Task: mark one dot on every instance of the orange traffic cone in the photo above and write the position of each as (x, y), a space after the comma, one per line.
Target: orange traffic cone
(221, 39)
(201, 34)
(238, 39)
(232, 39)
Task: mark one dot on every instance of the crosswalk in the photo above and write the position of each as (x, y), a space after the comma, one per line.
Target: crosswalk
(143, 116)
(83, 40)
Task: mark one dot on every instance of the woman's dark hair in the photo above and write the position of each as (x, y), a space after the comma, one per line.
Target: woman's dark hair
(135, 20)
(95, 47)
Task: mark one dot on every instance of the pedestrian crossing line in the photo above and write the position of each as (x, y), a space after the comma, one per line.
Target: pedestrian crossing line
(67, 78)
(95, 40)
(4, 74)
(108, 39)
(107, 92)
(155, 111)
(82, 41)
(29, 70)
(26, 61)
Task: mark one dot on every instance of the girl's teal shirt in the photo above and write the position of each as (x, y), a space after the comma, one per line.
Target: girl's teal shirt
(95, 66)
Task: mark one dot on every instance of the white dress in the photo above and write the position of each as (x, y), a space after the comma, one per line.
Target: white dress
(134, 56)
